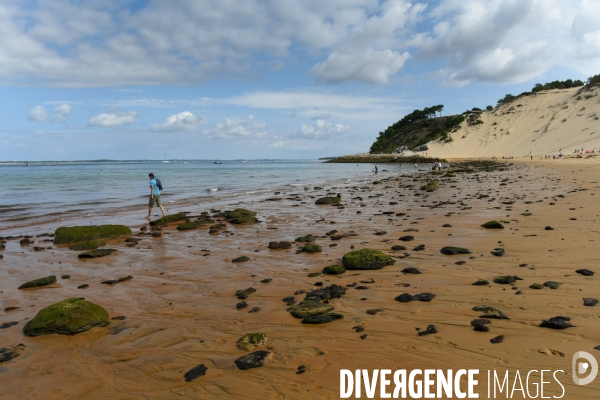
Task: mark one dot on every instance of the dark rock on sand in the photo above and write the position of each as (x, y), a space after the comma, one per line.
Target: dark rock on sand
(420, 247)
(310, 248)
(552, 284)
(113, 281)
(240, 259)
(290, 300)
(536, 286)
(11, 352)
(75, 234)
(589, 302)
(39, 282)
(446, 226)
(490, 312)
(252, 360)
(480, 282)
(266, 280)
(191, 225)
(430, 186)
(406, 238)
(8, 324)
(240, 216)
(450, 251)
(430, 330)
(366, 259)
(493, 225)
(334, 270)
(322, 318)
(241, 305)
(328, 200)
(585, 272)
(411, 270)
(244, 293)
(424, 296)
(305, 239)
(405, 298)
(250, 341)
(97, 253)
(374, 311)
(481, 328)
(197, 371)
(330, 292)
(497, 339)
(91, 245)
(67, 317)
(398, 247)
(216, 228)
(280, 245)
(309, 308)
(505, 279)
(85, 285)
(557, 323)
(549, 228)
(313, 274)
(498, 252)
(480, 322)
(254, 310)
(118, 318)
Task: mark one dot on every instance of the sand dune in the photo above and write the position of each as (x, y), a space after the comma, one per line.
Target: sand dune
(537, 124)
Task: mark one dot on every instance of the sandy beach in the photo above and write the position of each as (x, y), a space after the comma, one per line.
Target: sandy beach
(180, 306)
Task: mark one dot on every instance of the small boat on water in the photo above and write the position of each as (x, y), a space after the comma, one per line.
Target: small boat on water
(165, 160)
(217, 162)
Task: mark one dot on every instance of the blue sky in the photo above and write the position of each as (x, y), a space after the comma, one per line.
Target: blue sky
(230, 79)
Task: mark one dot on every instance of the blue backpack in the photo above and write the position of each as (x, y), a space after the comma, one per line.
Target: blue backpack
(158, 184)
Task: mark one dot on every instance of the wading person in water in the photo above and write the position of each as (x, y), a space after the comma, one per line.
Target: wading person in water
(154, 196)
(376, 169)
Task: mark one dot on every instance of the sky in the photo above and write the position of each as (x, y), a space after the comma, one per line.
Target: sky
(247, 79)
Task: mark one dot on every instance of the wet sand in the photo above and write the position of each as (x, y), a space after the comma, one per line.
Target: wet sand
(180, 305)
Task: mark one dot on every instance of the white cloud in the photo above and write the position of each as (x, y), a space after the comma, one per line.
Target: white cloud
(61, 113)
(109, 120)
(37, 114)
(320, 128)
(238, 128)
(184, 121)
(367, 66)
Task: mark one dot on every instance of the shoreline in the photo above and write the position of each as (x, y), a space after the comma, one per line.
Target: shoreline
(180, 308)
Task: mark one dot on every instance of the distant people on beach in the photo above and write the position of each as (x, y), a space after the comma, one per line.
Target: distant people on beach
(154, 196)
(376, 170)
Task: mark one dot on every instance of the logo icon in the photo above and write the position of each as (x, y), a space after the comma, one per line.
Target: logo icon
(582, 367)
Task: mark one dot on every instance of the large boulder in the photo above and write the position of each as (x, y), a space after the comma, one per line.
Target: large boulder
(67, 317)
(78, 234)
(240, 216)
(366, 259)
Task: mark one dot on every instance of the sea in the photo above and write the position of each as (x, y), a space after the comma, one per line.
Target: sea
(43, 192)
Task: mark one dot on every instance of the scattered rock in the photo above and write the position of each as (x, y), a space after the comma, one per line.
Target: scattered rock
(254, 310)
(411, 270)
(424, 296)
(450, 251)
(405, 298)
(506, 279)
(334, 270)
(97, 253)
(169, 219)
(91, 245)
(498, 252)
(585, 272)
(430, 186)
(330, 292)
(67, 317)
(309, 308)
(446, 226)
(552, 284)
(113, 281)
(8, 324)
(240, 259)
(497, 339)
(374, 311)
(241, 305)
(39, 282)
(191, 225)
(11, 352)
(266, 280)
(313, 274)
(280, 245)
(406, 238)
(252, 360)
(398, 247)
(244, 293)
(250, 341)
(366, 259)
(536, 286)
(305, 239)
(240, 216)
(589, 302)
(328, 200)
(549, 228)
(118, 318)
(480, 282)
(493, 225)
(197, 371)
(557, 323)
(322, 318)
(490, 312)
(430, 330)
(310, 248)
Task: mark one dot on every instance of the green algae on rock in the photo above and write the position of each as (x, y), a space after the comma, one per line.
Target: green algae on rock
(244, 293)
(321, 318)
(250, 341)
(430, 186)
(305, 239)
(39, 282)
(310, 248)
(189, 225)
(240, 216)
(366, 259)
(328, 200)
(493, 225)
(91, 245)
(334, 270)
(97, 253)
(216, 228)
(308, 308)
(169, 219)
(77, 234)
(67, 317)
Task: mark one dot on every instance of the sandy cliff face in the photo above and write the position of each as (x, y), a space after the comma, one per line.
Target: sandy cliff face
(541, 123)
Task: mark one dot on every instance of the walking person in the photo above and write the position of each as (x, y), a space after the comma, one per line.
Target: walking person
(154, 196)
(376, 170)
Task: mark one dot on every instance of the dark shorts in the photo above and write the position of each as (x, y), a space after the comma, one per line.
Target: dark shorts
(155, 200)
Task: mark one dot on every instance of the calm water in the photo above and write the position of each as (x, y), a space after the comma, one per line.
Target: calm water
(44, 192)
